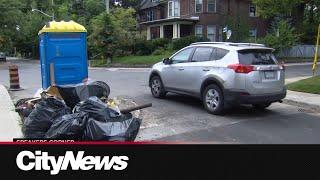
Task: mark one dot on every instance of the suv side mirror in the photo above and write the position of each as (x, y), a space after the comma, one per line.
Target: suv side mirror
(166, 61)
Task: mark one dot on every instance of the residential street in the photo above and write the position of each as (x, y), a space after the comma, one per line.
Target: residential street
(182, 119)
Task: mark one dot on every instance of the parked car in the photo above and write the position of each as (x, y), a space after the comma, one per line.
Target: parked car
(3, 56)
(222, 75)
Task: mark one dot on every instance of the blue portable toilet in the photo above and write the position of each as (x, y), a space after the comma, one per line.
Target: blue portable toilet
(63, 53)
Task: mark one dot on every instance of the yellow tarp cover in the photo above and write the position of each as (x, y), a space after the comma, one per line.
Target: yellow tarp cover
(62, 26)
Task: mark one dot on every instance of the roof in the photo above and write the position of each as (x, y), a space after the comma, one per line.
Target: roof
(62, 26)
(145, 4)
(175, 19)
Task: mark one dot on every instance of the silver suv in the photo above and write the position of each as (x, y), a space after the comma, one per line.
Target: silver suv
(221, 75)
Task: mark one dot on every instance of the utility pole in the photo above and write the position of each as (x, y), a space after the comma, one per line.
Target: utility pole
(107, 6)
(315, 63)
(108, 11)
(52, 4)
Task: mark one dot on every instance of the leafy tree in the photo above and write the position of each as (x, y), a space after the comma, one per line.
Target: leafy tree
(20, 26)
(271, 8)
(311, 22)
(130, 3)
(281, 36)
(94, 7)
(101, 39)
(125, 23)
(303, 14)
(239, 28)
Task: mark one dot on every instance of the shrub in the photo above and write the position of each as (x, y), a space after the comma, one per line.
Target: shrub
(161, 45)
(160, 42)
(159, 51)
(186, 41)
(169, 47)
(143, 47)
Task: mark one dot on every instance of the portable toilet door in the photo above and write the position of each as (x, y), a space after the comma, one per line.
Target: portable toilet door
(63, 53)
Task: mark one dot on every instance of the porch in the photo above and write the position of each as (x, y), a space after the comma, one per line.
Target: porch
(170, 28)
(169, 31)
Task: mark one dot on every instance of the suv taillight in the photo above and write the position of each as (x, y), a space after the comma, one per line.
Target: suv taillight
(282, 65)
(240, 68)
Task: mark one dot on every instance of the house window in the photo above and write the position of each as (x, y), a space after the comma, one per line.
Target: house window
(252, 10)
(150, 15)
(198, 6)
(173, 8)
(155, 32)
(199, 31)
(212, 5)
(253, 33)
(211, 33)
(170, 8)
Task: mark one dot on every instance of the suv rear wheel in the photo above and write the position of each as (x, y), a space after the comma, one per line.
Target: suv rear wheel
(213, 99)
(157, 88)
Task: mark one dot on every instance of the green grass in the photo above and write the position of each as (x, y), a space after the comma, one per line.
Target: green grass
(310, 85)
(140, 60)
(132, 60)
(98, 63)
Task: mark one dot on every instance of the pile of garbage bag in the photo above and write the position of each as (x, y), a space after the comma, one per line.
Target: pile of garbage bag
(80, 112)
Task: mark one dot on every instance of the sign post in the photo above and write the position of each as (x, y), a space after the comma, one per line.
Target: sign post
(315, 63)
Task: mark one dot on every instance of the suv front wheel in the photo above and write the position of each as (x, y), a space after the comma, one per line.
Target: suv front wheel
(213, 99)
(157, 88)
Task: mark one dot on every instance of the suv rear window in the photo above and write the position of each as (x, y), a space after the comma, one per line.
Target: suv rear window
(256, 57)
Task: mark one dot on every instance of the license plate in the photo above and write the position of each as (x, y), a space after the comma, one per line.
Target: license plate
(269, 74)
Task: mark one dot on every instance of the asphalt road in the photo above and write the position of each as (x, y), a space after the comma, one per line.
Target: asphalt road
(182, 119)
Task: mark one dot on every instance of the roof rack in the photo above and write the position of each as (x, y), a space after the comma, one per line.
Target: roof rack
(199, 43)
(230, 44)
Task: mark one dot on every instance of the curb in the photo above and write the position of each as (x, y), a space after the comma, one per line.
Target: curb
(296, 61)
(117, 69)
(125, 66)
(295, 98)
(300, 104)
(303, 100)
(300, 64)
(10, 127)
(288, 64)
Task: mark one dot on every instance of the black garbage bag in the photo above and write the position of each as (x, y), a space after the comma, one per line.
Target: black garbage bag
(69, 126)
(122, 128)
(73, 94)
(41, 118)
(96, 109)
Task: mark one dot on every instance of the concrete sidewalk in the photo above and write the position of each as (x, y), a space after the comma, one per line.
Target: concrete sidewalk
(305, 100)
(9, 119)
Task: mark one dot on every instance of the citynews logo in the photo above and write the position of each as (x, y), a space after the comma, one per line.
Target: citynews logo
(42, 161)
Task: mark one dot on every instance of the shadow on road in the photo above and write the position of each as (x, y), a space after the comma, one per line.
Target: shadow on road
(240, 111)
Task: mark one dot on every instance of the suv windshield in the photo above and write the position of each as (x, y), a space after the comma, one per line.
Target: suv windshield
(256, 57)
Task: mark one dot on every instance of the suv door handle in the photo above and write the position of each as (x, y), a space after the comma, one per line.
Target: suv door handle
(205, 69)
(181, 69)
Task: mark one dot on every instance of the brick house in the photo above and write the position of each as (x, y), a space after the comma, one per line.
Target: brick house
(206, 18)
